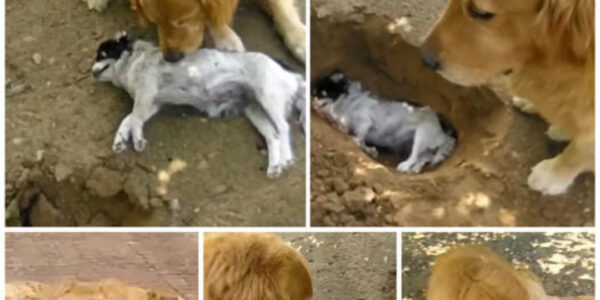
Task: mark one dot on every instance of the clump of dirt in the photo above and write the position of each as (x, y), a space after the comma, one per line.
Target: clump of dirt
(60, 170)
(483, 183)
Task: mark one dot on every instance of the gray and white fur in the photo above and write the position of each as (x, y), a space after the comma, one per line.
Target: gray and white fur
(216, 83)
(379, 124)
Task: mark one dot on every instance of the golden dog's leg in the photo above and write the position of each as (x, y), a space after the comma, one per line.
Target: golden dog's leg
(288, 24)
(553, 176)
(226, 39)
(556, 133)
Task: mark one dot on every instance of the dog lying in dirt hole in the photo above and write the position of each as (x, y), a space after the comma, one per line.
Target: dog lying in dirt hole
(108, 289)
(216, 83)
(254, 266)
(477, 273)
(415, 134)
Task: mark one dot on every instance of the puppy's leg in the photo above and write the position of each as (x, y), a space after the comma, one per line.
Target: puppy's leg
(360, 133)
(132, 126)
(554, 176)
(262, 123)
(276, 111)
(444, 150)
(98, 5)
(288, 24)
(422, 141)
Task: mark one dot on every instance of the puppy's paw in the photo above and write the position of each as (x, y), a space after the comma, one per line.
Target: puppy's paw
(523, 105)
(288, 163)
(410, 167)
(98, 5)
(140, 144)
(544, 178)
(274, 171)
(556, 134)
(119, 146)
(295, 40)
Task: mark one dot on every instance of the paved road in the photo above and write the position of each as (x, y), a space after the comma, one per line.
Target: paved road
(165, 261)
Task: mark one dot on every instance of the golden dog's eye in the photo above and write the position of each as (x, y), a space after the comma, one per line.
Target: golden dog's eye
(477, 13)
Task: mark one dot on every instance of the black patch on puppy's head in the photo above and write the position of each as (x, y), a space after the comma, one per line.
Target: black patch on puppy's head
(332, 85)
(114, 48)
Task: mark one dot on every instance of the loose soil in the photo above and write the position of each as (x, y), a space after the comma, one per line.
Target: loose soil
(483, 183)
(60, 170)
(563, 261)
(349, 265)
(163, 261)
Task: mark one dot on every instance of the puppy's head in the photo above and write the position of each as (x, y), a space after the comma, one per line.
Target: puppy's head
(329, 88)
(108, 54)
(180, 24)
(477, 41)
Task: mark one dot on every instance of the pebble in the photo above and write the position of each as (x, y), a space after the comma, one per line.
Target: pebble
(339, 186)
(37, 58)
(174, 205)
(16, 89)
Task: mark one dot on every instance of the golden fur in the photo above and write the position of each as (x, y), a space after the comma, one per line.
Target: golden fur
(253, 266)
(477, 273)
(108, 289)
(545, 50)
(181, 23)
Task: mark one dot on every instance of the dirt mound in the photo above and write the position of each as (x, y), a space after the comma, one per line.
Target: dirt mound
(482, 184)
(60, 170)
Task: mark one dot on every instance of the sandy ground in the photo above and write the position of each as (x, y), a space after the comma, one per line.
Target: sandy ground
(483, 183)
(563, 261)
(162, 261)
(349, 265)
(60, 125)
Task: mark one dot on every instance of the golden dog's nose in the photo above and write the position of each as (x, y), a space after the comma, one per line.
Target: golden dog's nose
(173, 57)
(431, 61)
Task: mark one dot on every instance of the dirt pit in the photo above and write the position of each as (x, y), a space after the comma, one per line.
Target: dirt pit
(349, 265)
(564, 262)
(483, 183)
(60, 125)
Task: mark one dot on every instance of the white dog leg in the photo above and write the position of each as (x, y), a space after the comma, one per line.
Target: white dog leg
(415, 163)
(264, 126)
(123, 135)
(98, 5)
(138, 119)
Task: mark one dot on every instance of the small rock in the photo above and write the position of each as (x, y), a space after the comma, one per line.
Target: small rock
(104, 182)
(339, 186)
(16, 89)
(62, 172)
(202, 165)
(37, 58)
(174, 205)
(101, 220)
(221, 189)
(197, 210)
(156, 202)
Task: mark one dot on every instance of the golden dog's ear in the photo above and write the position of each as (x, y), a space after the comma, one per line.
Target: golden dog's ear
(492, 280)
(569, 23)
(138, 7)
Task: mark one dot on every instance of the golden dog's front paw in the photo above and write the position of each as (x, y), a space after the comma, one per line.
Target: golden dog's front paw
(557, 134)
(523, 105)
(295, 40)
(545, 178)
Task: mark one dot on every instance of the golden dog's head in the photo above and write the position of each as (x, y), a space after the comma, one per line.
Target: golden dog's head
(477, 41)
(180, 24)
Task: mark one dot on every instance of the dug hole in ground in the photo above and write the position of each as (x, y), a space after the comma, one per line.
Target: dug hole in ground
(483, 183)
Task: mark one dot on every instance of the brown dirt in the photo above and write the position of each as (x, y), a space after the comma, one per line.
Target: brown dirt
(564, 262)
(349, 265)
(59, 128)
(162, 261)
(482, 184)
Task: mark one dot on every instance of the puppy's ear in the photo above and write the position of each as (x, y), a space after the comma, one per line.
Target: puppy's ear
(568, 24)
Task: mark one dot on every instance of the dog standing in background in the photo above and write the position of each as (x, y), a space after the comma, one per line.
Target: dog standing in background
(545, 48)
(181, 23)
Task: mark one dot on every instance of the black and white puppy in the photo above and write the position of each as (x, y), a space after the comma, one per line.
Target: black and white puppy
(416, 134)
(214, 82)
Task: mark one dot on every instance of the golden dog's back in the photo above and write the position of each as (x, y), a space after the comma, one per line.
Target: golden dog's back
(108, 289)
(253, 266)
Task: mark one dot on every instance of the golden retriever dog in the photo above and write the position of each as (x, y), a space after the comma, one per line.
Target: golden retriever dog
(254, 266)
(545, 50)
(108, 289)
(477, 273)
(181, 23)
